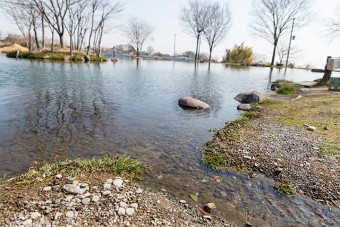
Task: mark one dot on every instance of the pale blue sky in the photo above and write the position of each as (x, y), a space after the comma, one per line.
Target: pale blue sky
(164, 16)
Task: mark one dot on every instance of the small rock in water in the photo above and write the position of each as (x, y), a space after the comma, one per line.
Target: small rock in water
(118, 183)
(209, 207)
(223, 194)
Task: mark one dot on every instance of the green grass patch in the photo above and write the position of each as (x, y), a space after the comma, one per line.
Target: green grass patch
(286, 189)
(286, 90)
(120, 165)
(213, 160)
(329, 149)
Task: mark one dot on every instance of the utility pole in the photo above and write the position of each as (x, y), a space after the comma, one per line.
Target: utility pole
(174, 45)
(290, 41)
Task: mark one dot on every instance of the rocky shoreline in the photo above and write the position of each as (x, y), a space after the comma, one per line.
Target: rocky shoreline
(295, 157)
(96, 202)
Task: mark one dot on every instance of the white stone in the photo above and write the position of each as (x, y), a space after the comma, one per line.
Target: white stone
(109, 181)
(69, 214)
(86, 201)
(106, 193)
(107, 186)
(134, 205)
(139, 191)
(76, 188)
(183, 201)
(121, 211)
(58, 176)
(130, 211)
(35, 215)
(311, 128)
(95, 198)
(28, 222)
(118, 183)
(47, 189)
(123, 204)
(57, 215)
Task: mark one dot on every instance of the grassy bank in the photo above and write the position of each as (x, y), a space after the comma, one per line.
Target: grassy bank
(55, 56)
(81, 168)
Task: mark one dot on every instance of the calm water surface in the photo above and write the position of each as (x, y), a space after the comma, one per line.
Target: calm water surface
(52, 111)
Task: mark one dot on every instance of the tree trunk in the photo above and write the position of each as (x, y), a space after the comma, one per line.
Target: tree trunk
(71, 44)
(42, 32)
(210, 51)
(35, 33)
(274, 53)
(197, 43)
(137, 52)
(52, 45)
(61, 39)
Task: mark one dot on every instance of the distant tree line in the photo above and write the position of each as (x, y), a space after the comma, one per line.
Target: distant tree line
(84, 21)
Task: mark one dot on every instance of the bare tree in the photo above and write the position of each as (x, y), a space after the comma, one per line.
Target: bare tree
(333, 25)
(273, 18)
(54, 12)
(150, 50)
(218, 26)
(138, 32)
(194, 19)
(108, 11)
(282, 52)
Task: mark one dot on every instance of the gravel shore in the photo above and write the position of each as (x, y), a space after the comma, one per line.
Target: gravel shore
(110, 202)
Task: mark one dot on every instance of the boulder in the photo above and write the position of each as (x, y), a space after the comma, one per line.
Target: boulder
(245, 107)
(249, 97)
(192, 103)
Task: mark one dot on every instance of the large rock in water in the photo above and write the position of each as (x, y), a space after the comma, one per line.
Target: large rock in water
(192, 103)
(249, 97)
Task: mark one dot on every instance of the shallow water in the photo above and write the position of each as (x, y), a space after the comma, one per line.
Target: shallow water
(52, 111)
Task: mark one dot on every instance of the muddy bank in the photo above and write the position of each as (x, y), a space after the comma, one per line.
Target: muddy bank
(289, 141)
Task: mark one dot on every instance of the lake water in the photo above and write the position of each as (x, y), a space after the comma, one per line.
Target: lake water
(55, 110)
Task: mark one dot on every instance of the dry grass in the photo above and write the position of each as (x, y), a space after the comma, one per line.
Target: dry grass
(319, 109)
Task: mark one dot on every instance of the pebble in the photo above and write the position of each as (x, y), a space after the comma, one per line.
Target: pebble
(118, 183)
(109, 181)
(95, 199)
(278, 170)
(130, 211)
(57, 215)
(28, 222)
(311, 128)
(107, 186)
(247, 157)
(121, 211)
(47, 189)
(123, 204)
(223, 194)
(139, 191)
(75, 188)
(183, 201)
(69, 214)
(106, 193)
(58, 176)
(134, 205)
(35, 215)
(86, 201)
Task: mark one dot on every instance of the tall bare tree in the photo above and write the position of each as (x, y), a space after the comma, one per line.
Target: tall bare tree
(194, 19)
(138, 32)
(55, 12)
(273, 18)
(218, 26)
(333, 25)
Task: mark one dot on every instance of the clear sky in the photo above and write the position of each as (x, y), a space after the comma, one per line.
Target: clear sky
(164, 16)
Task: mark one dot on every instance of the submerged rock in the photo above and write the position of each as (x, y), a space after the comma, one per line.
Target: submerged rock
(192, 103)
